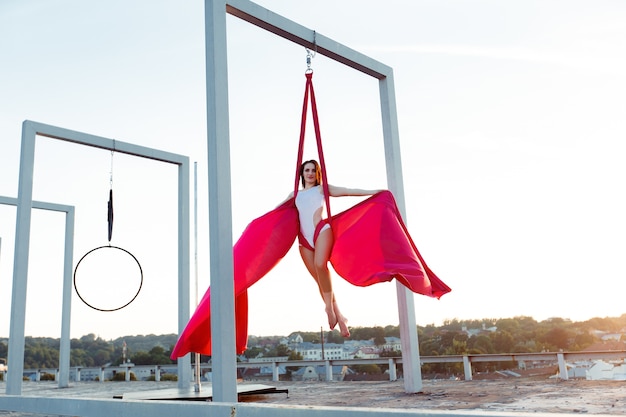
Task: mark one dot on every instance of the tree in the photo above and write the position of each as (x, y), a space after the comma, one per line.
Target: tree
(481, 343)
(508, 325)
(557, 336)
(392, 331)
(102, 357)
(141, 358)
(295, 356)
(80, 357)
(502, 342)
(458, 348)
(379, 336)
(584, 340)
(158, 356)
(282, 350)
(334, 337)
(253, 352)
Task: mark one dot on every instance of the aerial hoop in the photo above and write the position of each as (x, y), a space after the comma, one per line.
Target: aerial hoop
(115, 248)
(110, 235)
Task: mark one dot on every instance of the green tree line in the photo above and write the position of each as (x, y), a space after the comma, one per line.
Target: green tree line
(90, 350)
(508, 335)
(511, 335)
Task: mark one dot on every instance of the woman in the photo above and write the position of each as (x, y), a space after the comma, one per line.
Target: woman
(377, 238)
(316, 238)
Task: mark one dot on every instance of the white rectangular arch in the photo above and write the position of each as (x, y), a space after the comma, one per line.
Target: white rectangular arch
(68, 256)
(220, 210)
(30, 131)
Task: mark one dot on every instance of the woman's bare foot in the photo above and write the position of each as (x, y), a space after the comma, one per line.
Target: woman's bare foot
(332, 318)
(341, 320)
(343, 326)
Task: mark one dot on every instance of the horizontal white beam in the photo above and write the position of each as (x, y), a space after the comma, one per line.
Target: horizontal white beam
(115, 407)
(81, 138)
(285, 28)
(10, 201)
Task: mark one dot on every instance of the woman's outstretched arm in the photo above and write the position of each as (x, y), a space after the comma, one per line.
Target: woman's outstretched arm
(345, 192)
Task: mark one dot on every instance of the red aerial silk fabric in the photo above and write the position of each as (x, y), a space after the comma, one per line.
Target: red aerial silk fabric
(263, 243)
(372, 245)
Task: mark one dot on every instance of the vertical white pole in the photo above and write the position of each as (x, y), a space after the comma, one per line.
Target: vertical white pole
(220, 206)
(197, 386)
(406, 306)
(184, 363)
(20, 263)
(66, 315)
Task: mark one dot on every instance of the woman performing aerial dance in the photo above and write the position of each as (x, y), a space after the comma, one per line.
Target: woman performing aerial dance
(316, 237)
(366, 244)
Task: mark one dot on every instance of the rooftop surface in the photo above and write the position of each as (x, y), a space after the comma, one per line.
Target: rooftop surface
(522, 395)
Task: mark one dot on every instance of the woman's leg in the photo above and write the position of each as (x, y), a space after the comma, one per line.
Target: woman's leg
(325, 284)
(308, 257)
(311, 260)
(323, 248)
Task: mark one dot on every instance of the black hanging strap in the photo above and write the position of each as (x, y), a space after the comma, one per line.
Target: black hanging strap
(110, 214)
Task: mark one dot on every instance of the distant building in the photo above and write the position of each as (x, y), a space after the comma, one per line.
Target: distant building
(313, 351)
(392, 344)
(476, 332)
(367, 352)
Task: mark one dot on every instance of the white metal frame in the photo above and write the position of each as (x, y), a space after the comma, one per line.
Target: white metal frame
(220, 217)
(220, 222)
(30, 131)
(68, 256)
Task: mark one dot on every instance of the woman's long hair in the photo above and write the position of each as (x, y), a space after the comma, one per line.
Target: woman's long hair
(318, 172)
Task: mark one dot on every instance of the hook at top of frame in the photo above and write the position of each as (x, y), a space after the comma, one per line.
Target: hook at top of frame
(310, 55)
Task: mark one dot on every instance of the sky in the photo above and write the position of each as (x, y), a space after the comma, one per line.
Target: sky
(512, 128)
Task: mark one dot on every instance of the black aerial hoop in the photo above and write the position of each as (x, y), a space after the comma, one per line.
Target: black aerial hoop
(109, 246)
(114, 248)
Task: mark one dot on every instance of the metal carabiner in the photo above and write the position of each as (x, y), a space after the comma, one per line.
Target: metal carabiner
(309, 55)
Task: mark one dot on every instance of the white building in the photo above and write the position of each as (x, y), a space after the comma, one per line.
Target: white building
(392, 344)
(367, 352)
(313, 351)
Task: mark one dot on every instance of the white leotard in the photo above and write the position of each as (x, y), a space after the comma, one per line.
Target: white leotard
(308, 203)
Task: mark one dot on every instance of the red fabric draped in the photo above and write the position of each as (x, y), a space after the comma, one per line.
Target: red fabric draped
(371, 245)
(261, 246)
